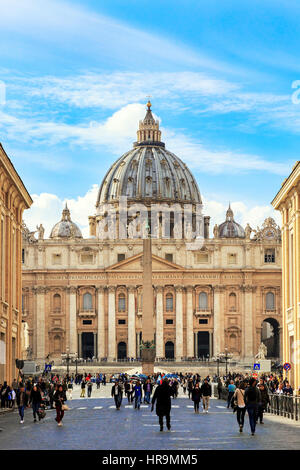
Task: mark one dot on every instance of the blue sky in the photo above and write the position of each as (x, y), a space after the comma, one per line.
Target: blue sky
(77, 75)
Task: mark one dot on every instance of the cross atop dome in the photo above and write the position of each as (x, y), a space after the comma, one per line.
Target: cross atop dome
(148, 132)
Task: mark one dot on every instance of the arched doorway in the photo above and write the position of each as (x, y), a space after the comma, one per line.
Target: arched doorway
(270, 337)
(169, 350)
(203, 344)
(122, 350)
(87, 345)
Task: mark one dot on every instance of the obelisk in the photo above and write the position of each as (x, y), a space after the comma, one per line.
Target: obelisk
(148, 346)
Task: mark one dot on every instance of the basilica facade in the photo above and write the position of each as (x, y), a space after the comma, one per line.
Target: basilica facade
(84, 295)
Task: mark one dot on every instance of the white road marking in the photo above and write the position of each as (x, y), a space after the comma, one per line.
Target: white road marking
(220, 406)
(82, 408)
(98, 407)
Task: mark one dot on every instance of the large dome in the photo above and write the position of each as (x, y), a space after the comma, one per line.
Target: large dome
(149, 172)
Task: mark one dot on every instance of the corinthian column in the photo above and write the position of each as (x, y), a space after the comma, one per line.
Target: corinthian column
(217, 320)
(131, 322)
(189, 323)
(40, 322)
(72, 324)
(101, 324)
(111, 323)
(179, 323)
(159, 322)
(248, 321)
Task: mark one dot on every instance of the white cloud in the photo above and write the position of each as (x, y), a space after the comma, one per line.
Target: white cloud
(78, 29)
(243, 213)
(47, 208)
(118, 131)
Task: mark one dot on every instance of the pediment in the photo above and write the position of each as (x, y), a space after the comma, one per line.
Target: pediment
(134, 263)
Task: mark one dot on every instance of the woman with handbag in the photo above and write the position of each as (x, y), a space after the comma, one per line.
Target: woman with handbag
(59, 399)
(239, 404)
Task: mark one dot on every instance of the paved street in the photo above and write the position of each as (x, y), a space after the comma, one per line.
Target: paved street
(94, 423)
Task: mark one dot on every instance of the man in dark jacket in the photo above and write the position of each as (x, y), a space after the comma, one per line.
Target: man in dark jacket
(35, 400)
(264, 401)
(162, 397)
(22, 401)
(117, 394)
(252, 398)
(206, 394)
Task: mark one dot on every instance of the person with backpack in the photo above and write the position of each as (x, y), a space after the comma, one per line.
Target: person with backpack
(231, 390)
(82, 394)
(252, 398)
(239, 404)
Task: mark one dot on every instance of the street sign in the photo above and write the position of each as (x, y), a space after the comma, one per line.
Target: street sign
(48, 367)
(256, 367)
(287, 366)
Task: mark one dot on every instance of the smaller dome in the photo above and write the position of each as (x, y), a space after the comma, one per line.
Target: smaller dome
(230, 228)
(65, 228)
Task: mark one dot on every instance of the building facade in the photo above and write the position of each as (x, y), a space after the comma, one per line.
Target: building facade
(14, 198)
(287, 201)
(84, 295)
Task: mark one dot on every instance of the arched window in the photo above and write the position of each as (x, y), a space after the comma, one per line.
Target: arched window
(270, 301)
(232, 301)
(203, 304)
(57, 344)
(233, 342)
(87, 301)
(121, 303)
(57, 302)
(169, 303)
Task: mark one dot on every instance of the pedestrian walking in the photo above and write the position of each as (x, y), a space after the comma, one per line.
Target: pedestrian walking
(129, 391)
(252, 399)
(239, 403)
(117, 394)
(35, 401)
(162, 397)
(137, 395)
(22, 401)
(147, 387)
(231, 390)
(196, 397)
(70, 390)
(264, 401)
(82, 394)
(206, 394)
(89, 388)
(59, 400)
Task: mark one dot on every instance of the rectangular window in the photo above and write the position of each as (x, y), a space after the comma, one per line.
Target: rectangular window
(56, 258)
(169, 257)
(270, 255)
(203, 322)
(201, 257)
(87, 322)
(121, 322)
(23, 256)
(232, 258)
(121, 257)
(87, 259)
(169, 322)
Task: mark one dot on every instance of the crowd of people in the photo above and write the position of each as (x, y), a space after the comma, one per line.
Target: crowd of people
(243, 393)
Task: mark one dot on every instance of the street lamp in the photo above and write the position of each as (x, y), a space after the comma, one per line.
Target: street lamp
(217, 360)
(227, 356)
